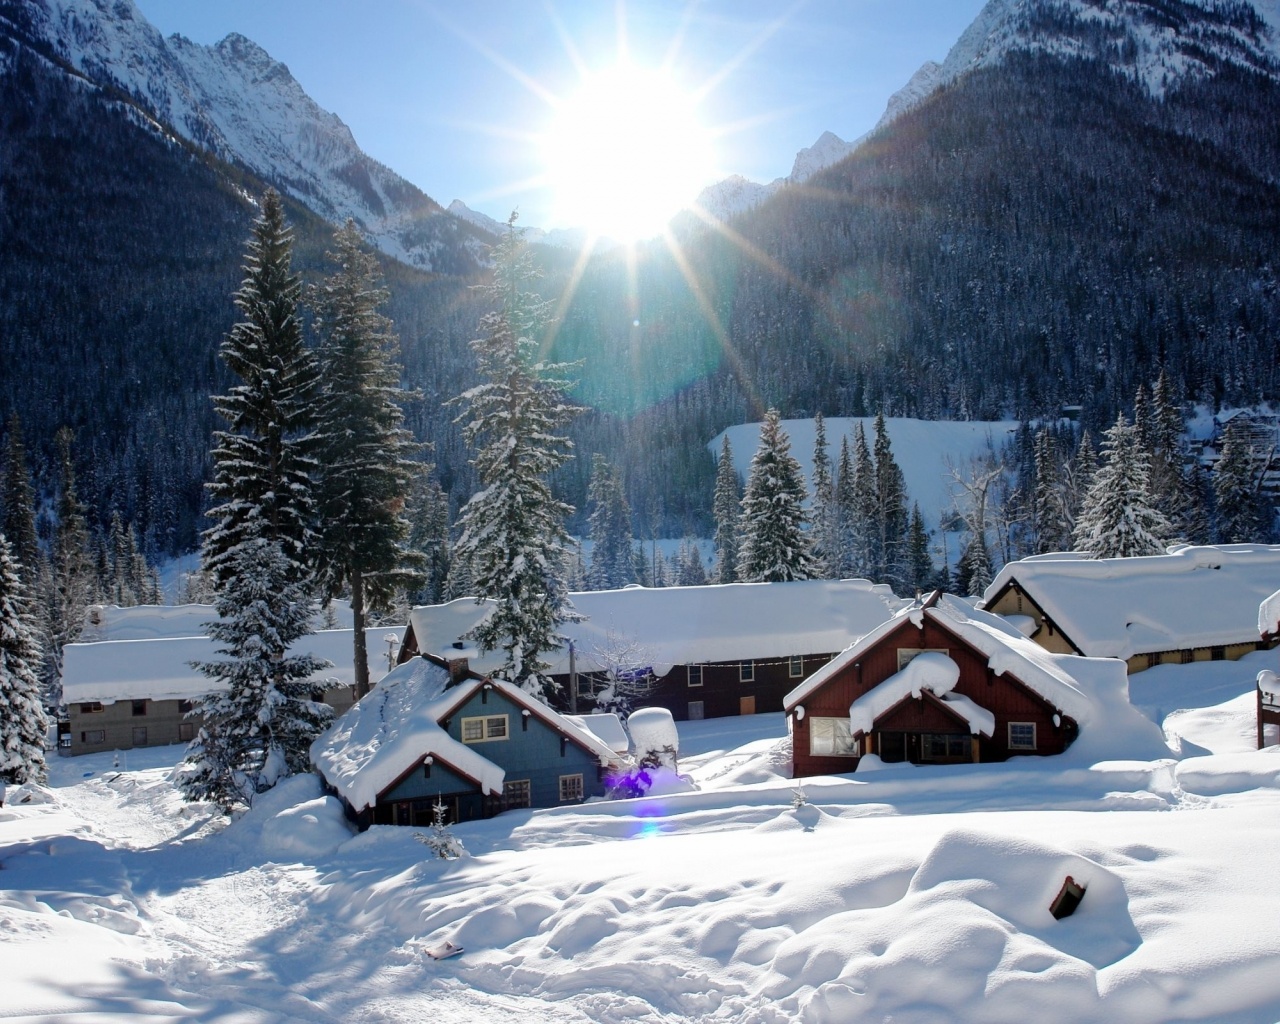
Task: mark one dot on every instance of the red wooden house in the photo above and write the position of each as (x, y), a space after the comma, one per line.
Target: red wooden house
(979, 691)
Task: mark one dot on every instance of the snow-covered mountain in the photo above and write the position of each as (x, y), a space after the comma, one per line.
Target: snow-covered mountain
(1158, 45)
(238, 102)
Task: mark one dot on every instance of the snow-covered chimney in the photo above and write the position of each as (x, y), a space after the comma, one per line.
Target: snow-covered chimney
(457, 658)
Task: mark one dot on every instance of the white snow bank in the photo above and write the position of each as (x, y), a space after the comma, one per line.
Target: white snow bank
(606, 727)
(366, 750)
(670, 626)
(294, 821)
(159, 622)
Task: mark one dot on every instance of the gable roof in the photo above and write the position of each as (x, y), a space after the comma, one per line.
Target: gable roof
(390, 731)
(160, 669)
(1093, 691)
(1118, 607)
(671, 626)
(930, 672)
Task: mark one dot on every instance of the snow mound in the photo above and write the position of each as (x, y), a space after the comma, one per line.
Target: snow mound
(654, 730)
(294, 821)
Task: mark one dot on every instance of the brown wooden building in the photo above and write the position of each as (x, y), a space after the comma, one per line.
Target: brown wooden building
(985, 693)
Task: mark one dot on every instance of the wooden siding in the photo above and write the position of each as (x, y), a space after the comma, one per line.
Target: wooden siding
(1005, 697)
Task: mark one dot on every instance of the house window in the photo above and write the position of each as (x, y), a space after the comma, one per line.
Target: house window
(695, 675)
(481, 730)
(696, 713)
(905, 654)
(1218, 654)
(186, 731)
(94, 736)
(516, 794)
(829, 737)
(184, 707)
(139, 708)
(139, 735)
(746, 671)
(1153, 659)
(936, 746)
(93, 707)
(795, 666)
(570, 788)
(1022, 735)
(1186, 657)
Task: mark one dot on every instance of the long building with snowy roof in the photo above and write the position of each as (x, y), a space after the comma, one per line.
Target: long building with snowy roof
(707, 652)
(1195, 603)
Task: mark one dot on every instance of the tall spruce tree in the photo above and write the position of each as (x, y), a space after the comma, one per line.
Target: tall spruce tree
(363, 453)
(23, 724)
(891, 510)
(258, 724)
(1118, 519)
(865, 547)
(845, 503)
(262, 486)
(512, 532)
(725, 508)
(775, 546)
(919, 562)
(428, 514)
(1051, 525)
(609, 522)
(19, 520)
(73, 581)
(825, 513)
(1243, 515)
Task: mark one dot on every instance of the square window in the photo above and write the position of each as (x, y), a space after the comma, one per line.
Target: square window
(795, 667)
(472, 730)
(570, 788)
(94, 736)
(185, 706)
(695, 675)
(1022, 735)
(139, 708)
(139, 735)
(696, 712)
(1187, 657)
(746, 671)
(496, 727)
(1218, 654)
(186, 731)
(829, 737)
(516, 794)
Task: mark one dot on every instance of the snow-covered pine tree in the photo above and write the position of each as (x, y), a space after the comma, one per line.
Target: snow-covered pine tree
(845, 503)
(73, 581)
(1117, 519)
(775, 546)
(825, 513)
(262, 485)
(258, 725)
(19, 519)
(513, 534)
(690, 570)
(428, 514)
(725, 509)
(1243, 515)
(609, 524)
(1051, 526)
(865, 548)
(973, 570)
(891, 510)
(22, 719)
(365, 457)
(919, 562)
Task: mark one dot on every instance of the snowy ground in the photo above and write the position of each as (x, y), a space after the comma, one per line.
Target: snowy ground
(906, 894)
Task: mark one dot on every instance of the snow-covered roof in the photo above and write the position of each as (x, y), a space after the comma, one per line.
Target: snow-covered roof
(155, 622)
(112, 670)
(397, 725)
(670, 626)
(605, 726)
(1269, 615)
(1093, 691)
(1119, 607)
(930, 670)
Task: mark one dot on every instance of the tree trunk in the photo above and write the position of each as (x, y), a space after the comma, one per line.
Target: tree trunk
(357, 622)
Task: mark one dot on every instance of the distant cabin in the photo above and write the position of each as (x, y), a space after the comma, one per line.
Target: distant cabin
(979, 691)
(712, 651)
(121, 694)
(478, 746)
(1195, 603)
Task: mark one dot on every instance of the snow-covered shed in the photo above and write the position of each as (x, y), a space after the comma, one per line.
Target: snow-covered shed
(942, 682)
(711, 651)
(121, 694)
(1194, 603)
(479, 746)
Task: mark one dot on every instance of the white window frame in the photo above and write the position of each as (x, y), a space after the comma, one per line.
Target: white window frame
(905, 654)
(827, 735)
(488, 732)
(746, 671)
(795, 666)
(1022, 746)
(694, 672)
(575, 791)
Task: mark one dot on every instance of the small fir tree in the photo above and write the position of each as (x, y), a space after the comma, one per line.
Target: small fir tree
(364, 454)
(775, 547)
(440, 840)
(513, 535)
(1118, 519)
(259, 723)
(725, 508)
(23, 724)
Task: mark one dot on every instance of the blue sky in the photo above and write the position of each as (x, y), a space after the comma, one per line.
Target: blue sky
(454, 95)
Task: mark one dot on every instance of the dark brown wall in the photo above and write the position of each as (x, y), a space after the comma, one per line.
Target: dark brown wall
(1007, 698)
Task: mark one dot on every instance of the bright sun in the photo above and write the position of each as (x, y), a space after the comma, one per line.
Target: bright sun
(627, 153)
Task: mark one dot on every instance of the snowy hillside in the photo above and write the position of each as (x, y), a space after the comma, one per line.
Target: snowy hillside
(921, 448)
(916, 895)
(238, 102)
